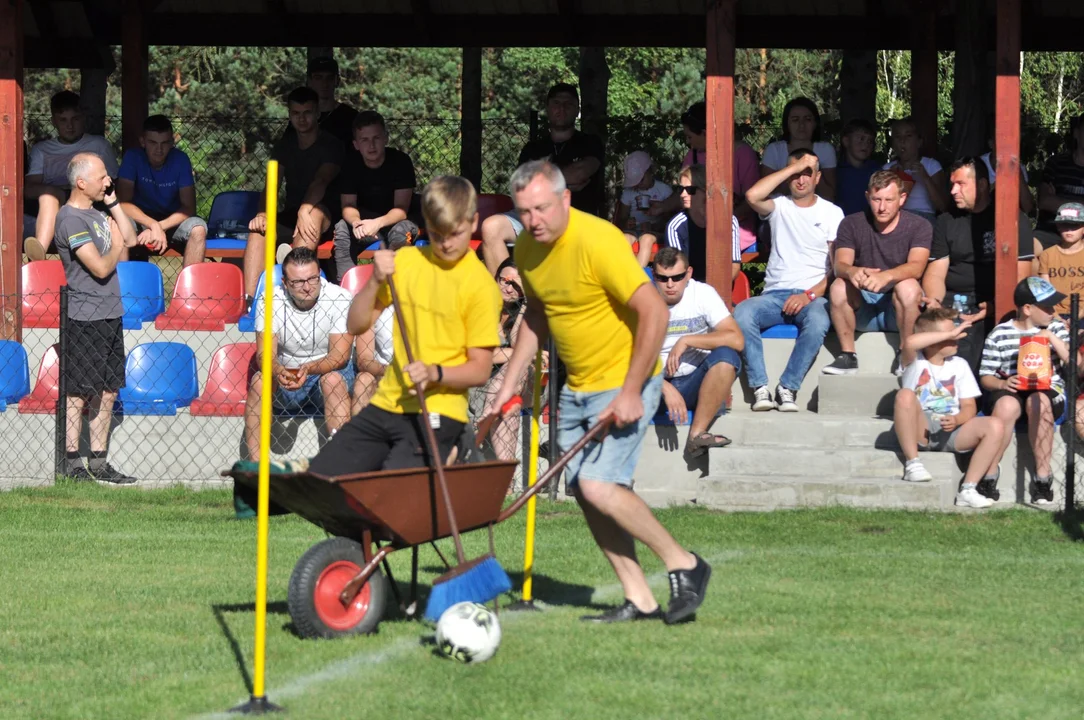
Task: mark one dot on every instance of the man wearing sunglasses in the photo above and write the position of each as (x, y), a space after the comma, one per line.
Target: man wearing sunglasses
(803, 229)
(311, 349)
(688, 230)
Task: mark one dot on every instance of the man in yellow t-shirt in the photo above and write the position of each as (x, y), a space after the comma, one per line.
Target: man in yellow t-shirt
(451, 306)
(608, 321)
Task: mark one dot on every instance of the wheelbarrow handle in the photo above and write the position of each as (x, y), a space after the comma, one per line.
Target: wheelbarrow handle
(554, 471)
(430, 436)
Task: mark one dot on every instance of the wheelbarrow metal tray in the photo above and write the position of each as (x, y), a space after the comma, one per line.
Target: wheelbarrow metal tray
(404, 507)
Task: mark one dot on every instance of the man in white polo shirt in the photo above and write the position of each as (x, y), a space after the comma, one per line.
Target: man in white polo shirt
(700, 353)
(803, 228)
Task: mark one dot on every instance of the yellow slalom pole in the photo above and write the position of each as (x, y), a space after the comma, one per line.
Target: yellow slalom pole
(260, 652)
(532, 478)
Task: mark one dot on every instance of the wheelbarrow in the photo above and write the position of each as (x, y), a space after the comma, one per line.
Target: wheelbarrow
(337, 587)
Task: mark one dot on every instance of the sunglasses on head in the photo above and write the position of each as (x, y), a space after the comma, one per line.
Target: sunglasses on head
(691, 189)
(659, 277)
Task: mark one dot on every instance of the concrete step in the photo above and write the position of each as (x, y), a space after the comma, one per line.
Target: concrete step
(835, 463)
(774, 429)
(870, 395)
(756, 492)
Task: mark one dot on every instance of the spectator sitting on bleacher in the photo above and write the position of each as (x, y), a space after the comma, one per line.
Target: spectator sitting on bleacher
(311, 349)
(158, 193)
(688, 230)
(801, 129)
(880, 255)
(335, 117)
(47, 173)
(1063, 264)
(927, 196)
(308, 161)
(1009, 397)
(90, 246)
(641, 189)
(579, 155)
(377, 184)
(803, 228)
(700, 353)
(935, 408)
(857, 166)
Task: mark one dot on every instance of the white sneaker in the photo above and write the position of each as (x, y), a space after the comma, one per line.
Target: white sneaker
(969, 497)
(915, 471)
(282, 252)
(785, 399)
(762, 399)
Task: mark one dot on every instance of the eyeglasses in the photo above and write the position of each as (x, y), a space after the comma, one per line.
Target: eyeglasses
(660, 278)
(302, 282)
(691, 189)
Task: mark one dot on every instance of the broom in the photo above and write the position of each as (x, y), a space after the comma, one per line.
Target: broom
(479, 580)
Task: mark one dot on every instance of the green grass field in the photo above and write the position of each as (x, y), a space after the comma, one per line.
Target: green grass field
(132, 604)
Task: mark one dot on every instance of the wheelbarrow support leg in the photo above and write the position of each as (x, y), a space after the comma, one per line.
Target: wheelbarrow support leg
(393, 584)
(354, 586)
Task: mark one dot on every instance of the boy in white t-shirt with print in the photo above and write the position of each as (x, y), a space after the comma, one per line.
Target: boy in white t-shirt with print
(640, 192)
(936, 408)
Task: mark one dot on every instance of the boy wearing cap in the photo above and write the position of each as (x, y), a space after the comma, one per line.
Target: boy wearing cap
(1063, 264)
(1035, 301)
(641, 189)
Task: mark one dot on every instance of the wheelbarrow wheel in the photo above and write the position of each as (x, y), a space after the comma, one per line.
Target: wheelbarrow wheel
(318, 578)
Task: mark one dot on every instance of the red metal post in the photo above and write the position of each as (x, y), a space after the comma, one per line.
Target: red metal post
(134, 62)
(720, 143)
(1007, 140)
(11, 168)
(924, 74)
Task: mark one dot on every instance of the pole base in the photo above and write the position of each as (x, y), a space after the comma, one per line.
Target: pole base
(523, 605)
(256, 706)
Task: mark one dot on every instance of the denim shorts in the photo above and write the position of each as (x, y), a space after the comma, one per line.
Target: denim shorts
(308, 398)
(513, 217)
(877, 313)
(689, 385)
(614, 458)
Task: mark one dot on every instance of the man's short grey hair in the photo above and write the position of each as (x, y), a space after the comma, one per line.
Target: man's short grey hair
(528, 171)
(79, 167)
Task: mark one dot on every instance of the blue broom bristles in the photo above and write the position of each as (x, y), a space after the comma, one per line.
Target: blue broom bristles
(479, 584)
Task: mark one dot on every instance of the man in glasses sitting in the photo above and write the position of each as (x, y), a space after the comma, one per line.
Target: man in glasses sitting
(311, 356)
(688, 230)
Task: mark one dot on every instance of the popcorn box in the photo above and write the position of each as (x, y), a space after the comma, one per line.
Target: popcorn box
(1033, 364)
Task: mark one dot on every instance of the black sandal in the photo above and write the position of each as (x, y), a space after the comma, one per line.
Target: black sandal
(700, 444)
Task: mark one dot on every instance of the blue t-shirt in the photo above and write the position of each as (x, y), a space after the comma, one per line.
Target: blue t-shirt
(851, 185)
(157, 192)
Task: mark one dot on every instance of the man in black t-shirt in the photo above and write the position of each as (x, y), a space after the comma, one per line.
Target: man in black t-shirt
(961, 269)
(376, 188)
(335, 117)
(578, 155)
(308, 162)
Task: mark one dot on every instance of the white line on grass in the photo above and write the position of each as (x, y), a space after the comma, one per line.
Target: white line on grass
(348, 667)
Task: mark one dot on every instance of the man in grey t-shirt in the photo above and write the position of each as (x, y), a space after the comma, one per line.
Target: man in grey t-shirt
(90, 245)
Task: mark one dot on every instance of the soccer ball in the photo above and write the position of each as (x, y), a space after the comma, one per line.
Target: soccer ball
(468, 632)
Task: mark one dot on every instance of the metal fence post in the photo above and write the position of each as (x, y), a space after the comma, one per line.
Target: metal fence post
(1071, 393)
(60, 455)
(553, 390)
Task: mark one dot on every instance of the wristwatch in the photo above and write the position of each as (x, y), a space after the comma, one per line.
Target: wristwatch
(811, 295)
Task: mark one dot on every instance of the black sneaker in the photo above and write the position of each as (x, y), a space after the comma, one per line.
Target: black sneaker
(687, 588)
(78, 474)
(845, 364)
(987, 487)
(110, 475)
(1042, 493)
(624, 613)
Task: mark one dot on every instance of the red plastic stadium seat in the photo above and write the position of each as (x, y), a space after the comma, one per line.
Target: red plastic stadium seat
(475, 244)
(492, 204)
(325, 250)
(227, 382)
(636, 249)
(42, 399)
(41, 293)
(356, 277)
(207, 297)
(740, 290)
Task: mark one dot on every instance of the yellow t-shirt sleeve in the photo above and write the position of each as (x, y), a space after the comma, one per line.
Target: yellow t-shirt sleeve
(482, 314)
(615, 266)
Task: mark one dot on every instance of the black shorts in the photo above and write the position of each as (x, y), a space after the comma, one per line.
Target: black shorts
(1057, 400)
(376, 439)
(95, 358)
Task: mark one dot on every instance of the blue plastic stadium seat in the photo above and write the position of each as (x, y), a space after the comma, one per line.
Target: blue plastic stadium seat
(142, 292)
(781, 332)
(663, 418)
(14, 373)
(231, 213)
(159, 378)
(247, 323)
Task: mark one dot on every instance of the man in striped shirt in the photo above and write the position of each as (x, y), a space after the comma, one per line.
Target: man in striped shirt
(1035, 299)
(688, 230)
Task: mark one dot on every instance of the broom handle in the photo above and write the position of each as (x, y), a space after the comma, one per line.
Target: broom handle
(430, 436)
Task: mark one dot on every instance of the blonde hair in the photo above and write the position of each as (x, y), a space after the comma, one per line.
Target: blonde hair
(447, 201)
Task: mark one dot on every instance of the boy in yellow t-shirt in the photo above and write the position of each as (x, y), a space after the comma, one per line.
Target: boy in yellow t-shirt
(1063, 264)
(451, 306)
(608, 321)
